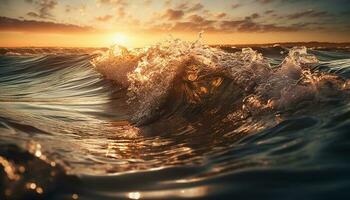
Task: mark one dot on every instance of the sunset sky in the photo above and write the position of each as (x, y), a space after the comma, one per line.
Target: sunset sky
(135, 23)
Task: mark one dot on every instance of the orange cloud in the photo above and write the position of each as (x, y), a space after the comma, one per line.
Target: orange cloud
(16, 25)
(104, 18)
(172, 14)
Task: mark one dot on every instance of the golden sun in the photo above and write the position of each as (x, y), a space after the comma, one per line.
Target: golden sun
(120, 39)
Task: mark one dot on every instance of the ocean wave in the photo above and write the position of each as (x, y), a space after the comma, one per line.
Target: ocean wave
(196, 72)
(30, 51)
(190, 120)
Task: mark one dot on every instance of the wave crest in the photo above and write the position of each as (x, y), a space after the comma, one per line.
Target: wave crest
(197, 70)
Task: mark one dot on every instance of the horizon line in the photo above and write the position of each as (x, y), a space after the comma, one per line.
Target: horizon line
(229, 44)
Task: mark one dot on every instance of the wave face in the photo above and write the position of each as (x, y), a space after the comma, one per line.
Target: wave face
(174, 120)
(176, 74)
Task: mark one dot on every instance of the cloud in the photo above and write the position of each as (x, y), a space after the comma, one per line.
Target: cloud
(178, 13)
(186, 6)
(185, 26)
(308, 13)
(147, 2)
(167, 3)
(195, 7)
(171, 14)
(179, 21)
(113, 2)
(192, 23)
(196, 18)
(247, 25)
(182, 6)
(159, 27)
(67, 9)
(193, 27)
(221, 15)
(16, 25)
(44, 9)
(32, 14)
(253, 16)
(121, 12)
(104, 18)
(264, 1)
(235, 5)
(219, 23)
(269, 12)
(119, 5)
(227, 27)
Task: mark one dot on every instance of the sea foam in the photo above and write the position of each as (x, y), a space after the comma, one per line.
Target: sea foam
(151, 73)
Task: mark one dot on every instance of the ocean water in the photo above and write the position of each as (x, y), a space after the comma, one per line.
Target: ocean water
(176, 120)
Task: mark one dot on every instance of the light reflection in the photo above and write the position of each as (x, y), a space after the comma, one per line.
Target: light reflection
(9, 169)
(39, 190)
(194, 192)
(120, 39)
(134, 195)
(38, 153)
(53, 164)
(75, 196)
(21, 169)
(31, 186)
(35, 149)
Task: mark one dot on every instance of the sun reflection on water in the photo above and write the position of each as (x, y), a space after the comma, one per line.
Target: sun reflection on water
(134, 195)
(194, 192)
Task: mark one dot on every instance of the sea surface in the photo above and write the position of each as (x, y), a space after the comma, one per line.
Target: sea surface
(175, 120)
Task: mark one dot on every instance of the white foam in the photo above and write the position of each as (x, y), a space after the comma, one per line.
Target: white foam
(150, 72)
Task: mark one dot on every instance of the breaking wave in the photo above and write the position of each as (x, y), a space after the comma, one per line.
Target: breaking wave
(196, 74)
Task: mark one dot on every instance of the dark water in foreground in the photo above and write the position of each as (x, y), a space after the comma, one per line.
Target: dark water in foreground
(175, 121)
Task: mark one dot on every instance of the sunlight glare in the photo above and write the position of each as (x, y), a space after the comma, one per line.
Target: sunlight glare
(120, 39)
